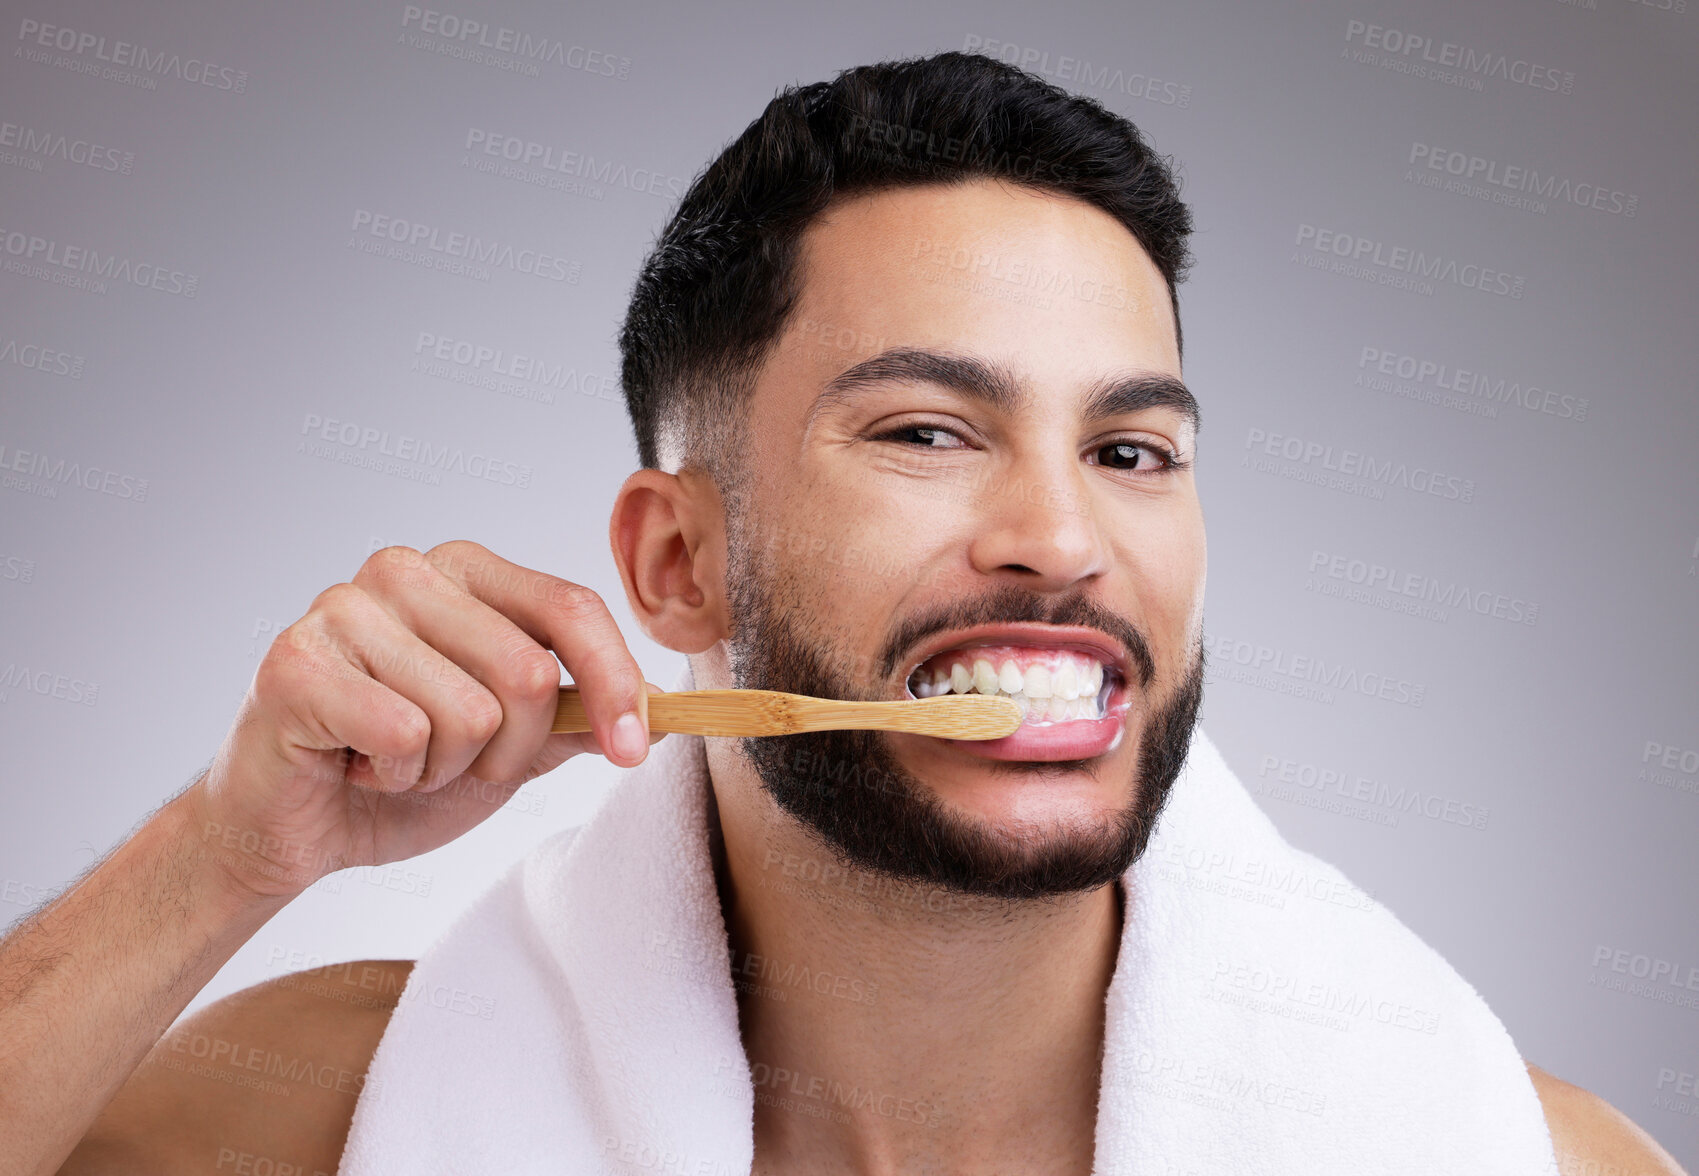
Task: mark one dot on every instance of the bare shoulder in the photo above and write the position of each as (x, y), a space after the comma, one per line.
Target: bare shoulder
(264, 1080)
(1590, 1135)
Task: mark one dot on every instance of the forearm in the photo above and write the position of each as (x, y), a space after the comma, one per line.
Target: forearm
(89, 983)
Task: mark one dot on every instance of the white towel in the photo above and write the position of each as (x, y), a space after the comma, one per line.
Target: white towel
(1265, 1015)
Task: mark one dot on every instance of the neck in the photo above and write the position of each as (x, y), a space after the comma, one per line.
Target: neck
(887, 1022)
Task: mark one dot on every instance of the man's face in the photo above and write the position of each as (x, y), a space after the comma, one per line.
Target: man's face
(958, 478)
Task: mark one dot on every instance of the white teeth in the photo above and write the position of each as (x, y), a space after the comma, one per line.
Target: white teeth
(1009, 677)
(1067, 688)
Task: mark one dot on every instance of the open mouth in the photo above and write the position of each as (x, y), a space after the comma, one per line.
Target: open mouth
(1051, 685)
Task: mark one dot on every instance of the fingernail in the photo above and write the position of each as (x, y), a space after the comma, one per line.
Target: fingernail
(628, 737)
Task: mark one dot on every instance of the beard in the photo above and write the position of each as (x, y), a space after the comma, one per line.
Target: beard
(854, 797)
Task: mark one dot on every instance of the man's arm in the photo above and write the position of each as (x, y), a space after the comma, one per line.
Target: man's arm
(88, 983)
(263, 1080)
(402, 710)
(1591, 1136)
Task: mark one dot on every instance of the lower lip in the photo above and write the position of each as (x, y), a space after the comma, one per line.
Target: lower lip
(1068, 739)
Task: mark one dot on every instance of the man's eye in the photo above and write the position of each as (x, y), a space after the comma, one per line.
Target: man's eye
(926, 436)
(1125, 455)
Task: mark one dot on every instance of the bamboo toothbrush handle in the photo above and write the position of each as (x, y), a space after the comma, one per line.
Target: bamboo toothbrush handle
(773, 712)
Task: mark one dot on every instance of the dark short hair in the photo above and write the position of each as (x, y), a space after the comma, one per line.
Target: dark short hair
(719, 286)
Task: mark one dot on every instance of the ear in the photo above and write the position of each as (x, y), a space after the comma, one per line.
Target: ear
(668, 537)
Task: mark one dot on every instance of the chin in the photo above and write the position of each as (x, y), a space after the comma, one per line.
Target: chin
(1009, 781)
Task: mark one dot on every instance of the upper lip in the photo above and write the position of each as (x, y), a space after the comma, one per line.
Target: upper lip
(1029, 633)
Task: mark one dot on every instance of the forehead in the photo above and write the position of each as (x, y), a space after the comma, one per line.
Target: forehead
(1056, 287)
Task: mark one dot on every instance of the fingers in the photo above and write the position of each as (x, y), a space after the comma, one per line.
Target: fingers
(557, 749)
(573, 621)
(523, 676)
(459, 714)
(323, 702)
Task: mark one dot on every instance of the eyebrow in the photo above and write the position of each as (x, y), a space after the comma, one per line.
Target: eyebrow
(996, 386)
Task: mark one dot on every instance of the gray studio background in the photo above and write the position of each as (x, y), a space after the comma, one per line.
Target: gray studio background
(1494, 733)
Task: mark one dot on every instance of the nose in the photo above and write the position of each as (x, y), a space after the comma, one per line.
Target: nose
(1037, 525)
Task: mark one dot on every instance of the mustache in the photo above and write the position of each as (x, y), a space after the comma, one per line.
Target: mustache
(1010, 603)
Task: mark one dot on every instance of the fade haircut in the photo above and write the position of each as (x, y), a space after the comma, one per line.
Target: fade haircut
(718, 288)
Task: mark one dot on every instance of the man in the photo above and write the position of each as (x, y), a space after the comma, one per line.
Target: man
(868, 472)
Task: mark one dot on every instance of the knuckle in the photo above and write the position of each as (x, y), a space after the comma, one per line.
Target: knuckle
(575, 602)
(293, 658)
(482, 714)
(535, 677)
(412, 730)
(451, 547)
(339, 600)
(392, 563)
(279, 670)
(456, 553)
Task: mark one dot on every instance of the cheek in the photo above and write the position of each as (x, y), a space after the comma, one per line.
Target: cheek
(1168, 578)
(859, 552)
